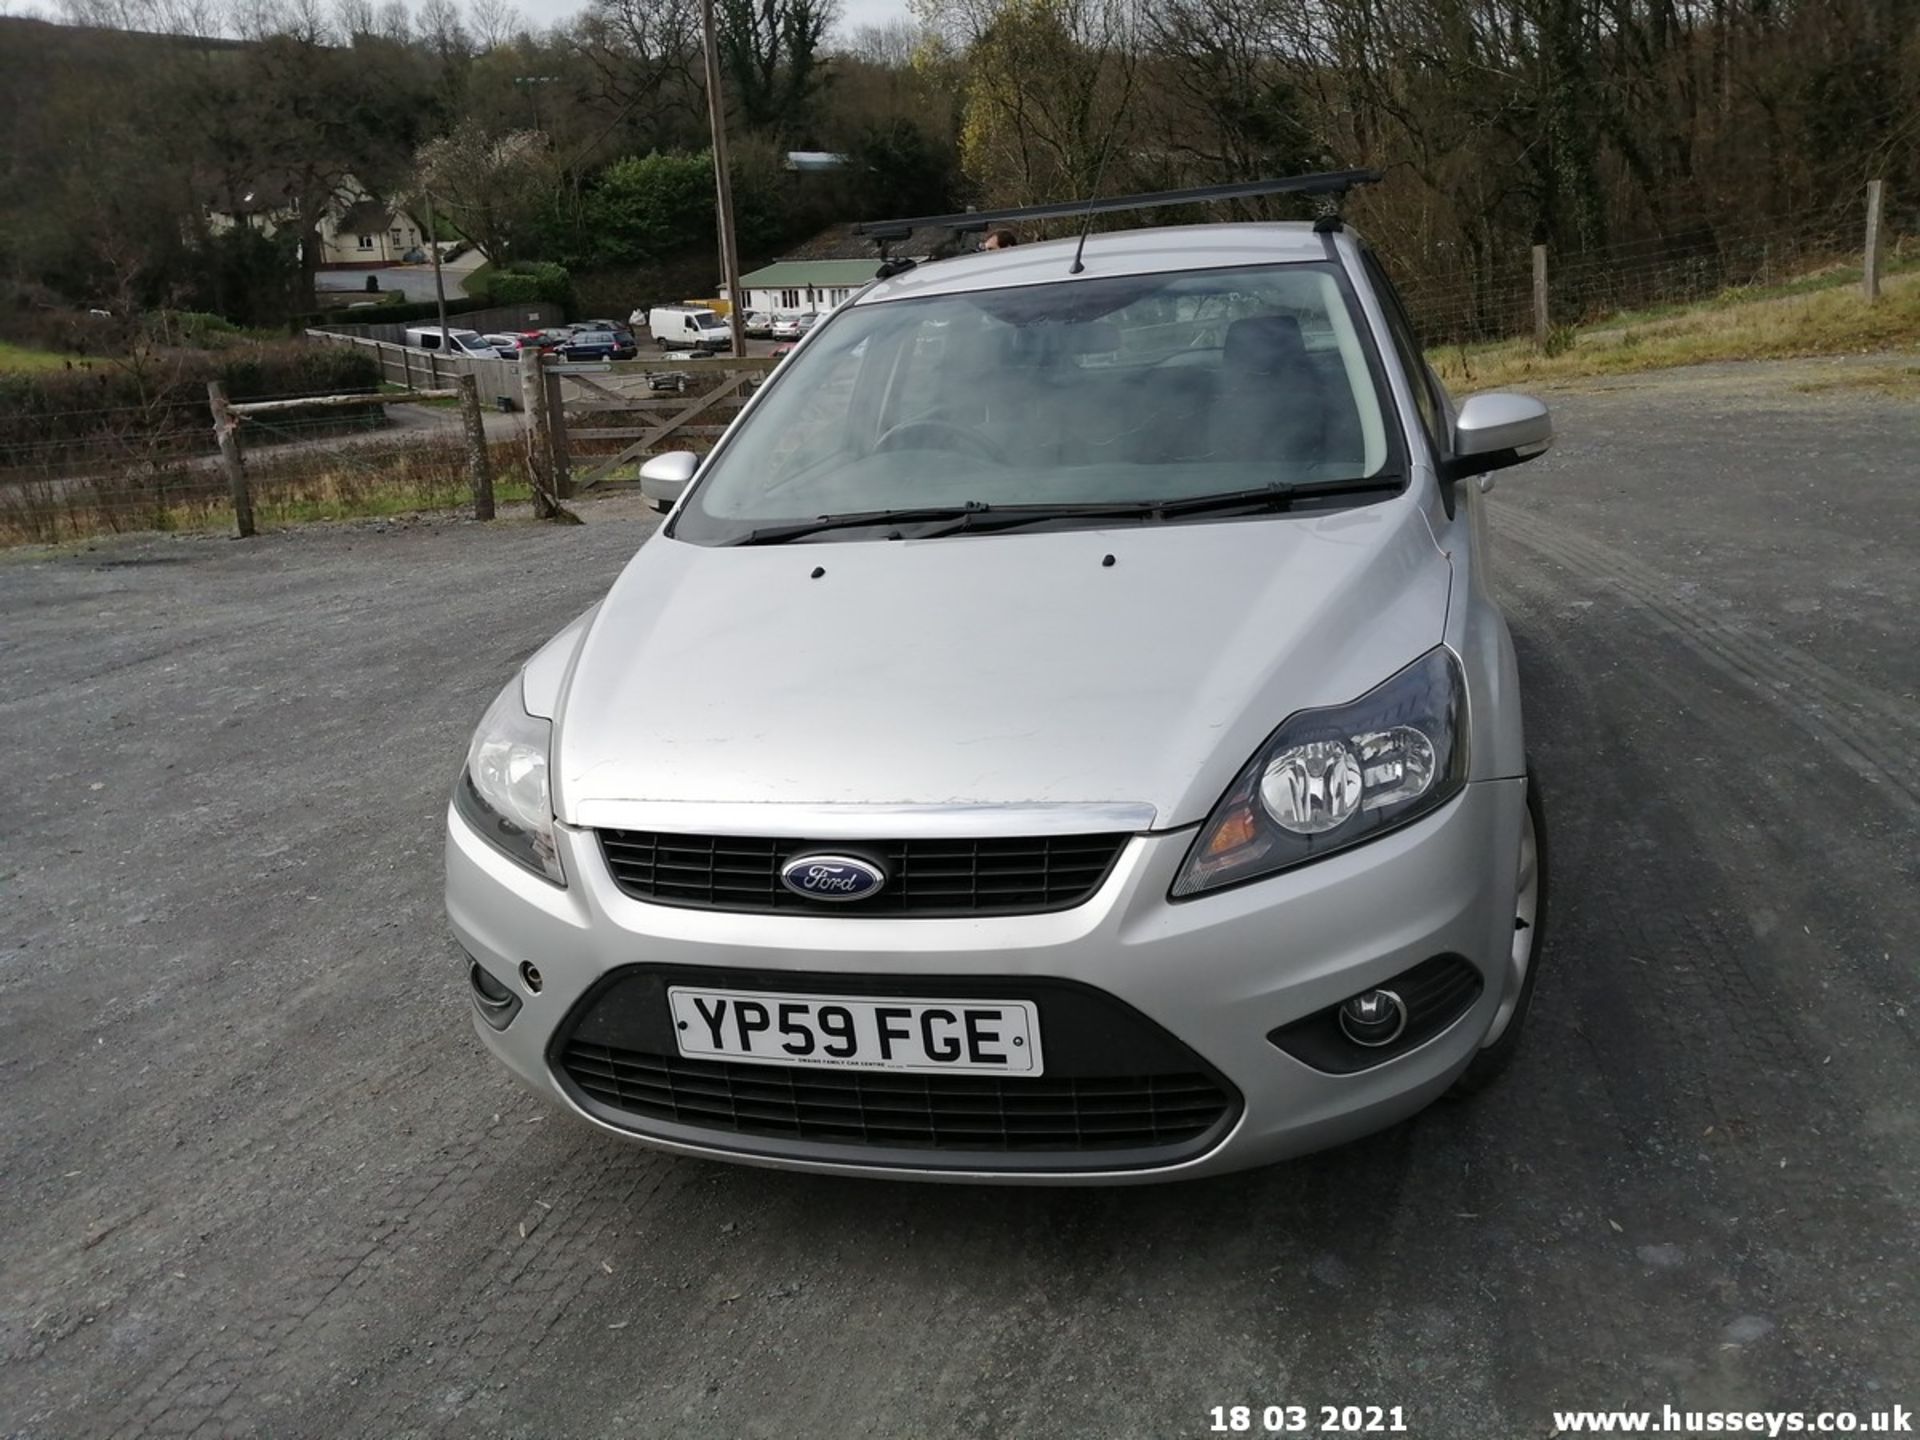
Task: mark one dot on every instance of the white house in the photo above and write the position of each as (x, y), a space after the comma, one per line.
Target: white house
(357, 231)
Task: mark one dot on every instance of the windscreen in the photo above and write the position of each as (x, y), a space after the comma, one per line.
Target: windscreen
(1130, 389)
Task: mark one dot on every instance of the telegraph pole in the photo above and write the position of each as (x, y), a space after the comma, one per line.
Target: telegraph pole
(532, 84)
(433, 244)
(723, 187)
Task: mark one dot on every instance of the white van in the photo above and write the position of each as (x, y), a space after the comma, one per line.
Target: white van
(682, 327)
(457, 342)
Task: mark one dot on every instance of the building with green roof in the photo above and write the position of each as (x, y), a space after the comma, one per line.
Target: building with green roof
(804, 287)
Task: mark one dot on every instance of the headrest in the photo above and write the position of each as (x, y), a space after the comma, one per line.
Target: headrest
(1043, 346)
(1096, 337)
(1264, 345)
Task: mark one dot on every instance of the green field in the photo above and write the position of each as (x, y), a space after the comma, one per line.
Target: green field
(19, 357)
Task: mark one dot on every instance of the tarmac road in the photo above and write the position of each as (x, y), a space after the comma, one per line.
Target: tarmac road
(257, 1178)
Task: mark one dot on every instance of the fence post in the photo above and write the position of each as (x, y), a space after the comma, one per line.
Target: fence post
(1870, 269)
(479, 462)
(224, 430)
(558, 457)
(1540, 318)
(533, 400)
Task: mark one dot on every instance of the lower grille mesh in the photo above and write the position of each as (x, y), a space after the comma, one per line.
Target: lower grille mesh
(885, 1108)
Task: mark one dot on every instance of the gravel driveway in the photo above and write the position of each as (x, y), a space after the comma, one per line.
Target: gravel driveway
(258, 1179)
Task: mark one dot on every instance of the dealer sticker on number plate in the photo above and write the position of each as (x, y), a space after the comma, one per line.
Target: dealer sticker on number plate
(924, 1037)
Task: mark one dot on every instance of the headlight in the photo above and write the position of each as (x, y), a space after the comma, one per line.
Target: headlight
(1327, 779)
(503, 793)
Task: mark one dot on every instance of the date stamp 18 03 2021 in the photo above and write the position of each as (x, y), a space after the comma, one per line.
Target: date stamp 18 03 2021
(1307, 1420)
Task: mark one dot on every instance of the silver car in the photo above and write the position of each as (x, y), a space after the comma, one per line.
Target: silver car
(1063, 733)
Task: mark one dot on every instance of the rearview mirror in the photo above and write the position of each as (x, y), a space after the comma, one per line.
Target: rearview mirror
(664, 477)
(1496, 430)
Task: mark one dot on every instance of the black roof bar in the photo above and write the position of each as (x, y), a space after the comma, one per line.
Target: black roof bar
(1333, 182)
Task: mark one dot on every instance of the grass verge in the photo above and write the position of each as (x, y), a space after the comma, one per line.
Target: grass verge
(1901, 382)
(190, 494)
(1788, 322)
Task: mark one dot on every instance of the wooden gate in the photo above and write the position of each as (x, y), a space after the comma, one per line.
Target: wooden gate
(614, 419)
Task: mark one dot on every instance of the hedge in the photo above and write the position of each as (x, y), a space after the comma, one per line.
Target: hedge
(406, 313)
(522, 282)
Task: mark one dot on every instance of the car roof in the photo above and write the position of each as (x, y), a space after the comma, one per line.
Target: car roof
(1122, 252)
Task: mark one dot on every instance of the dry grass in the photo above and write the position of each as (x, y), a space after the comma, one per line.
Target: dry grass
(287, 489)
(1832, 321)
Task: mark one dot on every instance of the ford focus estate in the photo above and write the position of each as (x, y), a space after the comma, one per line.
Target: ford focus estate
(1062, 733)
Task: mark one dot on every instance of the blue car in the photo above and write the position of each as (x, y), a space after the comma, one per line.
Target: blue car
(599, 340)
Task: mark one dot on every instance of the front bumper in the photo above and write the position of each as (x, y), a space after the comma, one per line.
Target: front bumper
(1218, 973)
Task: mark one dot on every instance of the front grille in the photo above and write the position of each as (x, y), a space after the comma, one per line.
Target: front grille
(873, 1107)
(1119, 1092)
(1020, 875)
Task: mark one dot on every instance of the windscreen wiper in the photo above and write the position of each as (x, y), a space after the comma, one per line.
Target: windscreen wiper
(1263, 497)
(858, 519)
(978, 517)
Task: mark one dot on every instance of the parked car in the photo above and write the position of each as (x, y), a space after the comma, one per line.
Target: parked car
(511, 344)
(1121, 779)
(680, 327)
(600, 340)
(782, 350)
(807, 322)
(758, 324)
(458, 342)
(785, 327)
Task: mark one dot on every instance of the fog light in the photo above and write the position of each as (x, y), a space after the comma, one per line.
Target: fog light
(1374, 1018)
(497, 1004)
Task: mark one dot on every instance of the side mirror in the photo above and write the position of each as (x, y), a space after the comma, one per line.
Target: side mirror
(664, 478)
(1496, 430)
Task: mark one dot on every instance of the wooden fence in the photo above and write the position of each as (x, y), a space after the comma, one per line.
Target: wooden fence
(415, 369)
(584, 424)
(228, 417)
(612, 418)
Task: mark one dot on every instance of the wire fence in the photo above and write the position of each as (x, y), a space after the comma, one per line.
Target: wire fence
(294, 480)
(1460, 299)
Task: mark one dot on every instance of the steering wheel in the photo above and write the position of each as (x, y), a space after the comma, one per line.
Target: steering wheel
(909, 433)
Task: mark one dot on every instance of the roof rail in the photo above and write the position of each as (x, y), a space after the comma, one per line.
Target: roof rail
(1332, 182)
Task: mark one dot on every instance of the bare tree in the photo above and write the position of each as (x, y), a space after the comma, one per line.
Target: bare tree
(890, 45)
(353, 17)
(495, 22)
(1051, 95)
(645, 55)
(443, 31)
(493, 188)
(1227, 99)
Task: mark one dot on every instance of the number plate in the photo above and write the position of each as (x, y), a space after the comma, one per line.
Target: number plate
(922, 1037)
